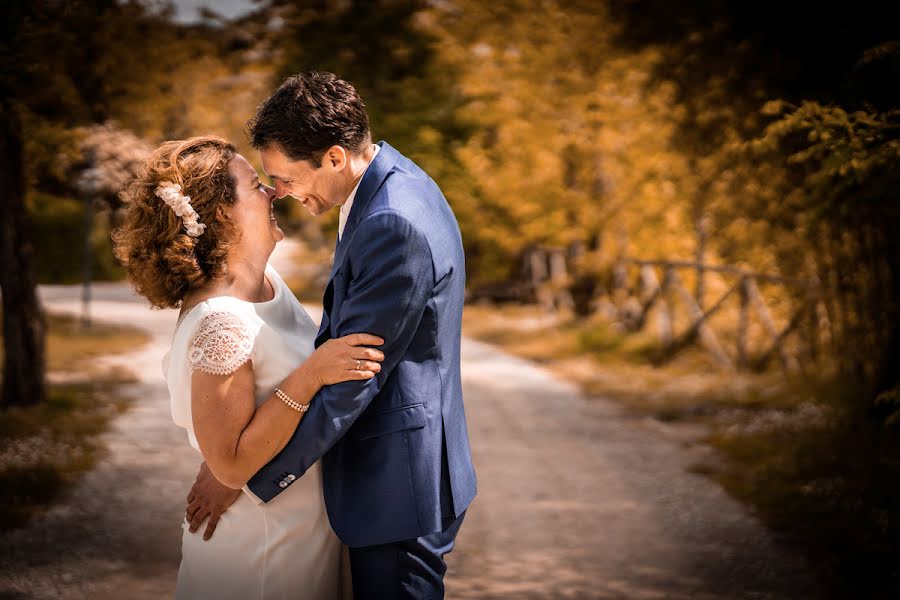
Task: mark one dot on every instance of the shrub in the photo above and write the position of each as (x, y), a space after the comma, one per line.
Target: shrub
(58, 231)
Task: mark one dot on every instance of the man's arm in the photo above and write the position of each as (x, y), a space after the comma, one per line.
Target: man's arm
(393, 281)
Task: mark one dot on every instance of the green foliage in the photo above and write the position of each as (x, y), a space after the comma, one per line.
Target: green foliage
(137, 74)
(588, 126)
(599, 338)
(888, 403)
(581, 125)
(58, 226)
(790, 135)
(388, 51)
(831, 205)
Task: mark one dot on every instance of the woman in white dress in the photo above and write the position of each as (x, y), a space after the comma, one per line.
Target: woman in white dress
(198, 232)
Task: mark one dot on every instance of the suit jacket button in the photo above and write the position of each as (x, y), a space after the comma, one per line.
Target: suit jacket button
(291, 477)
(282, 484)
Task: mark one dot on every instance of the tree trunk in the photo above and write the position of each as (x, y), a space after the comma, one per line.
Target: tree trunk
(23, 319)
(888, 374)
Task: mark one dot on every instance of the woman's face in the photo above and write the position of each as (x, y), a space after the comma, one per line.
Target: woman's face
(253, 211)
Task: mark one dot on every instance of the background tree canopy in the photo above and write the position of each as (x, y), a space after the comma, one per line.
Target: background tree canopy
(763, 135)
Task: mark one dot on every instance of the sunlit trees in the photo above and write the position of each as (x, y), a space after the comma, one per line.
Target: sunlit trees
(571, 136)
(790, 117)
(833, 198)
(601, 129)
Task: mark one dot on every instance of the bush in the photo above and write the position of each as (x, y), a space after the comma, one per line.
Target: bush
(57, 225)
(598, 339)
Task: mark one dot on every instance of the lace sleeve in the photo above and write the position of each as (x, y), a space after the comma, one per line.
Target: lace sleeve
(220, 344)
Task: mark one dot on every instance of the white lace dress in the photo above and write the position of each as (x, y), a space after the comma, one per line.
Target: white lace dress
(284, 549)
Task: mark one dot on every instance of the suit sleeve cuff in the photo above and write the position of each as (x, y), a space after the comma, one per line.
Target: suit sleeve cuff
(252, 496)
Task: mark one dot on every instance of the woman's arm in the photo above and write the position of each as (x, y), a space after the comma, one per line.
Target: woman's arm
(237, 439)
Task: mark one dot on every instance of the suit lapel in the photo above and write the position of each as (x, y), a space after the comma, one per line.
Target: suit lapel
(374, 176)
(372, 179)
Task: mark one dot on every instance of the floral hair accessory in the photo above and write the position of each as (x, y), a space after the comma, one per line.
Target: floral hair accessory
(170, 193)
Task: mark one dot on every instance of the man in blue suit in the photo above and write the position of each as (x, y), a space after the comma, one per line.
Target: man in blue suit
(397, 468)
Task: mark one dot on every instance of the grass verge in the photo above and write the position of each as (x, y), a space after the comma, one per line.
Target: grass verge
(44, 448)
(832, 486)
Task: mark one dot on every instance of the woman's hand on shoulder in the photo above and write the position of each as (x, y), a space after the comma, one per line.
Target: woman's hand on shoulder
(346, 359)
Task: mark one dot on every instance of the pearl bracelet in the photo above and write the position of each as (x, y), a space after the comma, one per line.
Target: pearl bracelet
(290, 401)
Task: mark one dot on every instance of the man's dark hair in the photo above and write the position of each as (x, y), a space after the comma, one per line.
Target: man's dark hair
(309, 113)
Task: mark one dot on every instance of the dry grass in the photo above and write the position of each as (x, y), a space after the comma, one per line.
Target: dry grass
(45, 448)
(70, 347)
(620, 366)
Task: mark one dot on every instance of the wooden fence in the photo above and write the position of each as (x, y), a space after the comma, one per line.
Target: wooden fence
(656, 289)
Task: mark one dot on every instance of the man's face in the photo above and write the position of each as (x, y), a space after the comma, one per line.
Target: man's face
(318, 190)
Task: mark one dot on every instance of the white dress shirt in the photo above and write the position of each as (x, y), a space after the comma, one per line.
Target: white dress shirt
(348, 204)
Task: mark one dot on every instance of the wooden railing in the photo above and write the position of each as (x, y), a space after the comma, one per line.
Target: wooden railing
(633, 305)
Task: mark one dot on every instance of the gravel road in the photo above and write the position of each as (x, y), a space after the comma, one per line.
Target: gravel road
(577, 499)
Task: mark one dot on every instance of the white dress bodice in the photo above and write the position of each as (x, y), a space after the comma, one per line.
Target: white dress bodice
(264, 551)
(281, 337)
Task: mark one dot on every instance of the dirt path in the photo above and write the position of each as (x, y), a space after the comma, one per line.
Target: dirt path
(576, 499)
(579, 500)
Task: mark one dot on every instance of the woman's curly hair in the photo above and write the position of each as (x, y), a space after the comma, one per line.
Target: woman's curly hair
(163, 262)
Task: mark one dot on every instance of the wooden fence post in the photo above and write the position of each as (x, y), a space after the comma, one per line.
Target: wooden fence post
(540, 274)
(632, 311)
(787, 361)
(652, 293)
(707, 336)
(743, 323)
(559, 280)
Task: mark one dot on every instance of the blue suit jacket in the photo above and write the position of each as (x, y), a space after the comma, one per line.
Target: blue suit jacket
(395, 450)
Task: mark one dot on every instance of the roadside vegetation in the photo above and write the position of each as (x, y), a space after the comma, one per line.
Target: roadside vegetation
(797, 449)
(45, 448)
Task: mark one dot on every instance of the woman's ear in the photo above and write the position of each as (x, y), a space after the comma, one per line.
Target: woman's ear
(223, 213)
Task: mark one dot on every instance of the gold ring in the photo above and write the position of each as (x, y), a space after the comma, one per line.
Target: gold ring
(358, 364)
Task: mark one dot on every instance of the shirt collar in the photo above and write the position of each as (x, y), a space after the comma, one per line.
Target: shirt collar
(348, 203)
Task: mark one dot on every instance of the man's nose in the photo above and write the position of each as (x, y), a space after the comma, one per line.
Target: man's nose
(280, 189)
(271, 192)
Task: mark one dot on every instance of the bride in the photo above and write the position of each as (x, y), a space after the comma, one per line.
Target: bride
(198, 232)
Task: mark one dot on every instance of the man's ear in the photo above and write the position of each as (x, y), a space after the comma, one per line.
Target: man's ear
(336, 157)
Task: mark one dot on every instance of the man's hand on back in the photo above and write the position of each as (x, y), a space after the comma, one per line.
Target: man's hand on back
(208, 498)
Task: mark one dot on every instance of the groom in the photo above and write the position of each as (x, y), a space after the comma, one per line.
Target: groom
(397, 468)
